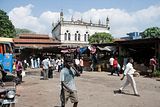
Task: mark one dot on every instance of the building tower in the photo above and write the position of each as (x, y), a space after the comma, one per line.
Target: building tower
(72, 19)
(61, 16)
(99, 22)
(107, 23)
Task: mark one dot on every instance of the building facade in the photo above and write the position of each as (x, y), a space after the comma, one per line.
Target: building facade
(77, 32)
(134, 35)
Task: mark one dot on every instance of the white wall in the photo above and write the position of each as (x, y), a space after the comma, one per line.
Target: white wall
(73, 29)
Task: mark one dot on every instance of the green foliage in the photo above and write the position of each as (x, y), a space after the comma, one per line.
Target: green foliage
(101, 38)
(156, 73)
(153, 32)
(22, 31)
(6, 27)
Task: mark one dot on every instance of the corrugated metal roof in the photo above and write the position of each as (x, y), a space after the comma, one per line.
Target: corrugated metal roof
(39, 36)
(35, 41)
(35, 45)
(30, 41)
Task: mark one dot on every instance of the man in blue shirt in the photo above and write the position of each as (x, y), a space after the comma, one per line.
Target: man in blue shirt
(69, 90)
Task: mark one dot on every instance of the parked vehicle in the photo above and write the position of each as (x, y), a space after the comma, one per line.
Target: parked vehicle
(6, 56)
(7, 93)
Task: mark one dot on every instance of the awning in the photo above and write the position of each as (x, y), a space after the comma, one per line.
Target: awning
(67, 50)
(82, 50)
(92, 49)
(107, 48)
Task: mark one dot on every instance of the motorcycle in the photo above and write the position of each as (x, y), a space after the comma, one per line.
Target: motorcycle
(7, 94)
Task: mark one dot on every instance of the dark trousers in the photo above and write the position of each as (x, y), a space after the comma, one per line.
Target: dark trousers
(111, 69)
(50, 72)
(115, 70)
(81, 69)
(19, 75)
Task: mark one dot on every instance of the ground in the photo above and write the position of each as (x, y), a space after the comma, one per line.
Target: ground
(95, 89)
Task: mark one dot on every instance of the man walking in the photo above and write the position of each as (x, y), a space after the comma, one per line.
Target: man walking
(68, 90)
(111, 64)
(128, 72)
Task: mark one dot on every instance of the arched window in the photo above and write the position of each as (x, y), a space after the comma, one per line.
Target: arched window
(65, 36)
(69, 36)
(75, 36)
(86, 36)
(79, 37)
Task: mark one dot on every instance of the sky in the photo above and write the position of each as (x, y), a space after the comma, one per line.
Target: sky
(125, 15)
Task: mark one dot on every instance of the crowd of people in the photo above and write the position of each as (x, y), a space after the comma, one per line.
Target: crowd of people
(68, 69)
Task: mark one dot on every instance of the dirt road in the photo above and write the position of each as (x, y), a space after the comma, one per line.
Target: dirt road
(95, 89)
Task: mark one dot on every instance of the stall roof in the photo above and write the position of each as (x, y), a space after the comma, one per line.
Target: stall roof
(3, 39)
(105, 44)
(139, 41)
(123, 42)
(35, 41)
(37, 36)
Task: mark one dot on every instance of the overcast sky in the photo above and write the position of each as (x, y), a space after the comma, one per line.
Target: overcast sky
(125, 15)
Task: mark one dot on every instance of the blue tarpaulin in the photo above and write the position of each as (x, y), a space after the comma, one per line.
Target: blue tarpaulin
(82, 50)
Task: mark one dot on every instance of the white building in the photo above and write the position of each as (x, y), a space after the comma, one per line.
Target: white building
(77, 32)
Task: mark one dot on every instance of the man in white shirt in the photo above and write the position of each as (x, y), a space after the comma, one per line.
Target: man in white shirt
(128, 72)
(77, 63)
(58, 62)
(45, 64)
(111, 64)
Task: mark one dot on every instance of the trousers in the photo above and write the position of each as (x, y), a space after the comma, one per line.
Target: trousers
(130, 80)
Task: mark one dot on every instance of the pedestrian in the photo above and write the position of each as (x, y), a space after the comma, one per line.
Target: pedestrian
(153, 63)
(32, 63)
(81, 64)
(25, 64)
(111, 64)
(68, 88)
(35, 63)
(45, 67)
(115, 66)
(19, 67)
(77, 63)
(93, 62)
(58, 62)
(38, 62)
(50, 71)
(62, 63)
(128, 72)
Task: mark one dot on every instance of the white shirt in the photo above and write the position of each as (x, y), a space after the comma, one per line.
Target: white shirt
(129, 69)
(45, 63)
(58, 62)
(111, 61)
(77, 62)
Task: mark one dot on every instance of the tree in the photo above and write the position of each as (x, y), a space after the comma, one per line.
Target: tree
(153, 32)
(21, 31)
(6, 27)
(101, 38)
